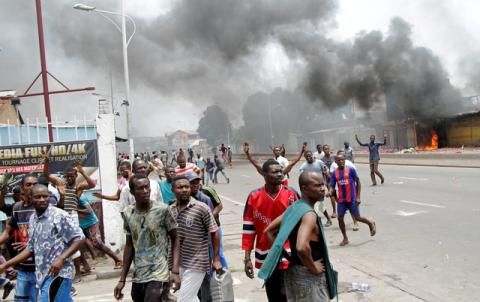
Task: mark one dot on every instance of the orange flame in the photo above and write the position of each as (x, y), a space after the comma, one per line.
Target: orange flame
(433, 143)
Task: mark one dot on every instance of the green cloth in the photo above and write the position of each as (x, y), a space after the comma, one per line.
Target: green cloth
(149, 232)
(292, 216)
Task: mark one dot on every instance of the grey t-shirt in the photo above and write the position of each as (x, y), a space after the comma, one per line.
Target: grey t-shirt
(316, 166)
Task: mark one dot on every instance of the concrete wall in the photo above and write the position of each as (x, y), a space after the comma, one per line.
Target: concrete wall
(112, 221)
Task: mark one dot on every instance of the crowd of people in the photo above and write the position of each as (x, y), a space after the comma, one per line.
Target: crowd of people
(172, 226)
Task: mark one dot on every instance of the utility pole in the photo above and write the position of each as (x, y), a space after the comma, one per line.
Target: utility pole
(46, 95)
(44, 73)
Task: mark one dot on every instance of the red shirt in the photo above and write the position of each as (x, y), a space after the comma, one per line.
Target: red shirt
(260, 210)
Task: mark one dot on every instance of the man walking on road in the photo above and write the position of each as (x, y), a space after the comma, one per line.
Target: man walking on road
(53, 239)
(348, 188)
(148, 227)
(195, 224)
(262, 207)
(308, 244)
(374, 157)
(220, 168)
(17, 227)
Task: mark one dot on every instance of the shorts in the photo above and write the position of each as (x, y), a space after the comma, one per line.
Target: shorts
(56, 289)
(92, 233)
(352, 207)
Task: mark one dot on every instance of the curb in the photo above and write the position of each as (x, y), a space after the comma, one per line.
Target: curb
(421, 165)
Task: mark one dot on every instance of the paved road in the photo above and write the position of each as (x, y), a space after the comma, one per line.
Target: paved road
(426, 247)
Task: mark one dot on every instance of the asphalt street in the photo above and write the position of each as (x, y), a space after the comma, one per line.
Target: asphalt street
(426, 244)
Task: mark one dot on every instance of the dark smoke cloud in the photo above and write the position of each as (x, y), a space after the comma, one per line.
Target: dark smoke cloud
(207, 51)
(200, 49)
(412, 79)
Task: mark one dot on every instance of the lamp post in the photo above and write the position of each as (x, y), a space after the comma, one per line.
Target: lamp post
(125, 43)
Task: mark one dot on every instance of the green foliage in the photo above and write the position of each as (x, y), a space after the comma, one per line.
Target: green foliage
(214, 125)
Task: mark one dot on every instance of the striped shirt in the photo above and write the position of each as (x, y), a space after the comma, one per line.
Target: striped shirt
(195, 223)
(71, 200)
(190, 167)
(346, 180)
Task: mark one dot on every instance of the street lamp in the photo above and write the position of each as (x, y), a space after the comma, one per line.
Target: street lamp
(125, 44)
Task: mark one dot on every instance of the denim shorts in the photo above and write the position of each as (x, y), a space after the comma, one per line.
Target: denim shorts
(56, 289)
(303, 286)
(26, 287)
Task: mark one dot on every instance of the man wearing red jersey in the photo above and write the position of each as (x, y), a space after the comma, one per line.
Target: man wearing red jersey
(348, 190)
(262, 207)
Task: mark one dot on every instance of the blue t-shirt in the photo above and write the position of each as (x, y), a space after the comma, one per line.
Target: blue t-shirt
(167, 192)
(373, 149)
(200, 163)
(86, 220)
(346, 180)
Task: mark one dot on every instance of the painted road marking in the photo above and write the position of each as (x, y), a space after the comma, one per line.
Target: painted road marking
(406, 214)
(247, 176)
(231, 200)
(413, 178)
(424, 204)
(398, 182)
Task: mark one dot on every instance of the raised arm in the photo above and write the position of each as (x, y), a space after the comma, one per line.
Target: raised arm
(290, 166)
(115, 197)
(358, 141)
(246, 149)
(46, 161)
(90, 183)
(384, 140)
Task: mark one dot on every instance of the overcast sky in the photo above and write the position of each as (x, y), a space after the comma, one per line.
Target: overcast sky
(450, 28)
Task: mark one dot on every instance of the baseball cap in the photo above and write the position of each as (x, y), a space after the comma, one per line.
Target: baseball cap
(192, 176)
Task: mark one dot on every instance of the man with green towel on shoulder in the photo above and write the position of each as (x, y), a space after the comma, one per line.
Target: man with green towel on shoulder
(309, 264)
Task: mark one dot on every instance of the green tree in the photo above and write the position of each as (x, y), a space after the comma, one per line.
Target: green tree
(215, 126)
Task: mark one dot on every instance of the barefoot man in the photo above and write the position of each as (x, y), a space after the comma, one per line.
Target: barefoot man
(348, 190)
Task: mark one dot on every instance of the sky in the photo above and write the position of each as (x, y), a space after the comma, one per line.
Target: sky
(187, 72)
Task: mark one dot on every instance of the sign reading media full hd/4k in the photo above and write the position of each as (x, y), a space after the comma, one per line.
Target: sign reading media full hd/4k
(19, 160)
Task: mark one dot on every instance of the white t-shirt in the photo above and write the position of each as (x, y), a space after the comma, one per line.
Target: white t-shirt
(347, 163)
(126, 198)
(318, 156)
(284, 163)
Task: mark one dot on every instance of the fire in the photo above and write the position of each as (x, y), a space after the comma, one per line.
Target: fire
(433, 143)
